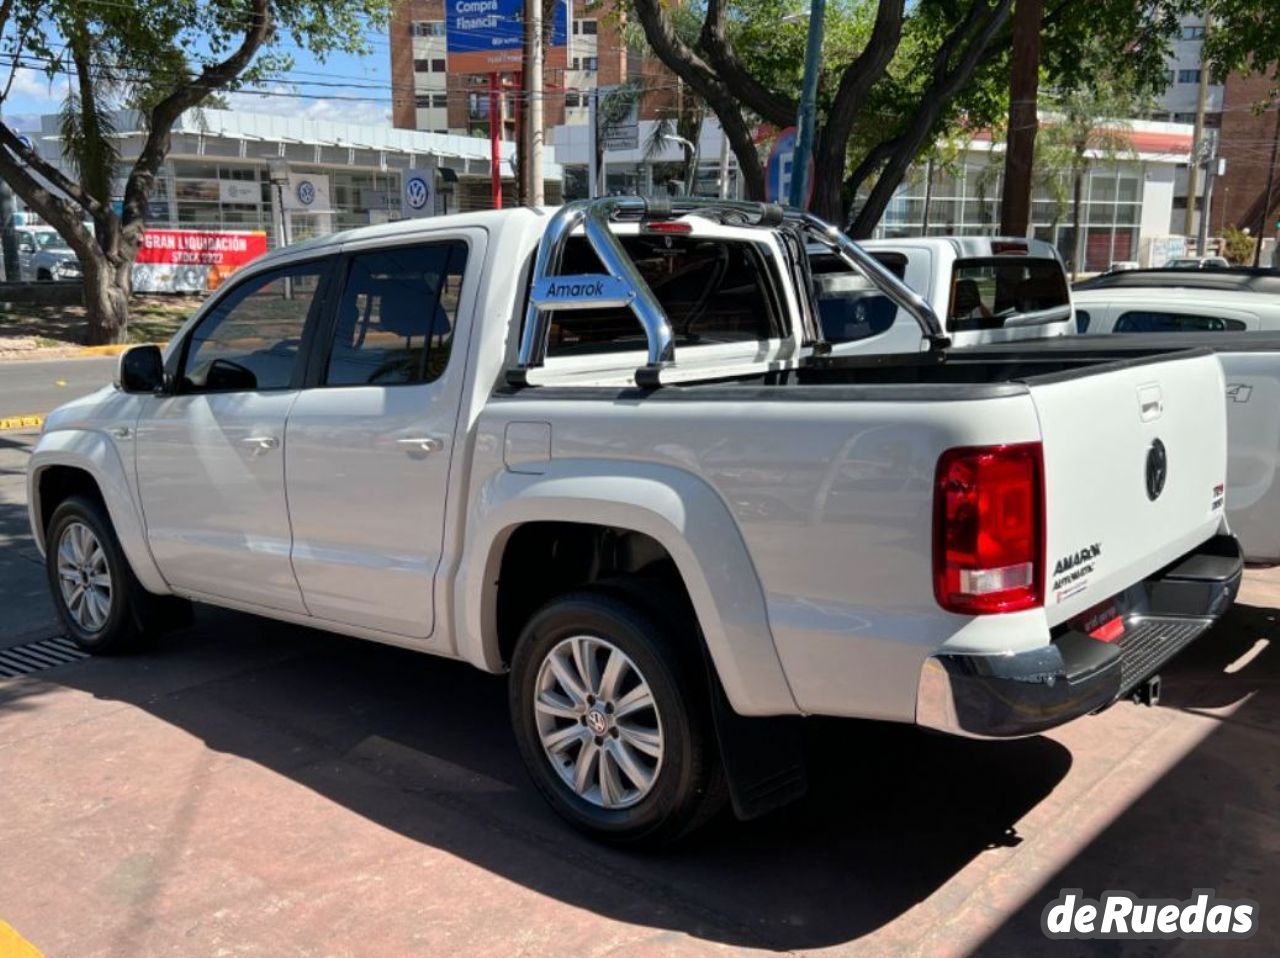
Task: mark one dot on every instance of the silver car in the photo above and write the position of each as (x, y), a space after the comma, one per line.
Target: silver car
(44, 256)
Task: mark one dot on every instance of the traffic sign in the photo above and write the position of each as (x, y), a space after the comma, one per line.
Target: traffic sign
(777, 175)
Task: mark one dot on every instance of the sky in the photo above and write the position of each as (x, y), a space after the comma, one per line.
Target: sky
(345, 88)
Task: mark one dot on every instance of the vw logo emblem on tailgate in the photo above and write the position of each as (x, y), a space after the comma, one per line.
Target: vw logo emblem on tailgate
(1157, 470)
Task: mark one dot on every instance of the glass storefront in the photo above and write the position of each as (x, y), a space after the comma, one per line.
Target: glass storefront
(967, 201)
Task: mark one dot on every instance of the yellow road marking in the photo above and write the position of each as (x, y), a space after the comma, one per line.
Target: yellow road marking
(13, 945)
(20, 422)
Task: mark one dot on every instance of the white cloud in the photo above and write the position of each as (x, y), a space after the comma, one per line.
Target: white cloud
(281, 101)
(35, 91)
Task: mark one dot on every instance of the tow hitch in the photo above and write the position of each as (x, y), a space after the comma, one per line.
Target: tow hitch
(1147, 692)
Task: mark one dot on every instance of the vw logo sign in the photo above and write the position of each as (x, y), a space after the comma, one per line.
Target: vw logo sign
(1157, 470)
(306, 192)
(26, 142)
(416, 192)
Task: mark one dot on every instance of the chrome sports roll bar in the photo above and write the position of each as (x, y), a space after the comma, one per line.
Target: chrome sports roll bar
(622, 285)
(898, 292)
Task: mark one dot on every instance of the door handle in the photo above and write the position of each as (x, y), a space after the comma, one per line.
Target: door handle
(120, 432)
(421, 444)
(261, 443)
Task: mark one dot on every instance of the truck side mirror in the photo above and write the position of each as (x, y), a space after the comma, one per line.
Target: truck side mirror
(141, 369)
(25, 247)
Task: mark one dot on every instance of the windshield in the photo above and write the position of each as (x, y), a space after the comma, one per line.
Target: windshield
(987, 293)
(50, 241)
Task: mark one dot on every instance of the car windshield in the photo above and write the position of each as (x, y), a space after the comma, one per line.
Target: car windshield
(51, 240)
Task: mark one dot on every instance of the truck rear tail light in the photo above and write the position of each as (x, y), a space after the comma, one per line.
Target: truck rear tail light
(988, 528)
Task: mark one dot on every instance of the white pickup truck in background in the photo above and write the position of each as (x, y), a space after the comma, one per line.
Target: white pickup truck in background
(606, 449)
(984, 289)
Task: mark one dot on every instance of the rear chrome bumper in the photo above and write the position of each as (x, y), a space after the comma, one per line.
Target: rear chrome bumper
(1022, 693)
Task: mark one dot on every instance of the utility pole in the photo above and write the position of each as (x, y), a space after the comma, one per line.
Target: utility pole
(535, 190)
(724, 165)
(1211, 162)
(928, 196)
(495, 139)
(1024, 119)
(593, 135)
(1197, 138)
(1266, 199)
(808, 115)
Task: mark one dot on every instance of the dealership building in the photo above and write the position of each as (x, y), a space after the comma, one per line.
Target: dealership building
(327, 176)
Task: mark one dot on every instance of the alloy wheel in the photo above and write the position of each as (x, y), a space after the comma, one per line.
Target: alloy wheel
(84, 577)
(598, 722)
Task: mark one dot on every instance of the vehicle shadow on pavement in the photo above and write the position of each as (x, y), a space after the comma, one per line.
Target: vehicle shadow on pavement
(1208, 821)
(422, 746)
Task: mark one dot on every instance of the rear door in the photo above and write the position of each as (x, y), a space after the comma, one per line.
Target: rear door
(369, 441)
(1135, 461)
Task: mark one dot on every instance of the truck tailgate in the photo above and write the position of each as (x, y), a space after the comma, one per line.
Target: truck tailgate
(1135, 468)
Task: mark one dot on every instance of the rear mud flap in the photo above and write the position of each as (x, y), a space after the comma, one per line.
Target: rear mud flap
(763, 757)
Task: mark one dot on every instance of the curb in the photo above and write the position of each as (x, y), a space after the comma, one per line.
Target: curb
(114, 349)
(20, 422)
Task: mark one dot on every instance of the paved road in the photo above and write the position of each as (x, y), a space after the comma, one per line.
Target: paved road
(35, 387)
(247, 788)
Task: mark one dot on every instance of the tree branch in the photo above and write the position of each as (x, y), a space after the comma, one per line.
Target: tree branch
(9, 140)
(975, 33)
(768, 104)
(855, 84)
(60, 213)
(166, 113)
(681, 59)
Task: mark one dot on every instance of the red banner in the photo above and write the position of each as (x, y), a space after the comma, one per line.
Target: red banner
(200, 248)
(185, 261)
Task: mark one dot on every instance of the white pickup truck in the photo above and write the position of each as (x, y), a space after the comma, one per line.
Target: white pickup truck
(601, 449)
(985, 289)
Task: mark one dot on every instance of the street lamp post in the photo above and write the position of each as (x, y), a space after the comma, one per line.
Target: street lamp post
(693, 152)
(807, 118)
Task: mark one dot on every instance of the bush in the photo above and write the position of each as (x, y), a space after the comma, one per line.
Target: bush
(1237, 246)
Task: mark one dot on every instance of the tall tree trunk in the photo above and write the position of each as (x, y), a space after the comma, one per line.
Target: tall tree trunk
(106, 299)
(1020, 143)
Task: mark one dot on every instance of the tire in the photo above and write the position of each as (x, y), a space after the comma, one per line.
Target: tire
(649, 791)
(113, 612)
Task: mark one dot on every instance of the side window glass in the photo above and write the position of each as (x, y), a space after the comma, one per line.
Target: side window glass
(252, 339)
(397, 316)
(849, 306)
(1082, 321)
(1150, 321)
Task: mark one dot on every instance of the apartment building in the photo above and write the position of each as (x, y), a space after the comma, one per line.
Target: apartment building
(429, 95)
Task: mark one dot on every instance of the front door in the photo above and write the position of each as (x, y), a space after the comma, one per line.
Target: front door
(367, 449)
(211, 456)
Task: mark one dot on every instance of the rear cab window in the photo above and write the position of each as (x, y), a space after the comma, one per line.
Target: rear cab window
(714, 292)
(850, 307)
(989, 293)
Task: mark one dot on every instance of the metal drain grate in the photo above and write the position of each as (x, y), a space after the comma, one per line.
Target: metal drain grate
(35, 656)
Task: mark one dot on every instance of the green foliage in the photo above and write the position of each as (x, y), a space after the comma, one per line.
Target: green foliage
(1237, 246)
(1244, 37)
(161, 58)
